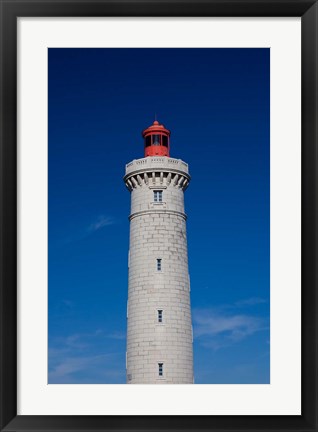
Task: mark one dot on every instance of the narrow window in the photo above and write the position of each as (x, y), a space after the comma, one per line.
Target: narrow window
(160, 369)
(160, 315)
(157, 196)
(159, 264)
(164, 140)
(148, 141)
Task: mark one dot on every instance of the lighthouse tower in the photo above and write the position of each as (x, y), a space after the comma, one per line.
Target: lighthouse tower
(159, 329)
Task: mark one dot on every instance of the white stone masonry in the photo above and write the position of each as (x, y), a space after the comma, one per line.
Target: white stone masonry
(159, 329)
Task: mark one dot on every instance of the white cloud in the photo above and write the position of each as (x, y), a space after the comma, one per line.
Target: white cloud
(250, 301)
(217, 328)
(67, 366)
(120, 335)
(85, 357)
(101, 222)
(68, 303)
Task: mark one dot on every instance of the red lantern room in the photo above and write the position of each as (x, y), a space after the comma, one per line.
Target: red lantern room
(157, 140)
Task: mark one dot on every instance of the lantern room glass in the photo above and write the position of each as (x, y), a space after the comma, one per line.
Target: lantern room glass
(156, 140)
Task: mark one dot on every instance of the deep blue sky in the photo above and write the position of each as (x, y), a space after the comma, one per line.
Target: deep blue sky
(216, 104)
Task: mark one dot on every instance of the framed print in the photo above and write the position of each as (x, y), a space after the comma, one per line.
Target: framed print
(197, 122)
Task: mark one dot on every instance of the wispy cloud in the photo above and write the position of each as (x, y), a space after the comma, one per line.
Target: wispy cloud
(87, 358)
(221, 327)
(250, 301)
(101, 222)
(63, 371)
(119, 335)
(236, 326)
(83, 232)
(68, 303)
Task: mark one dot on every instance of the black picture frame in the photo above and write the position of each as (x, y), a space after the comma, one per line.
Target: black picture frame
(10, 11)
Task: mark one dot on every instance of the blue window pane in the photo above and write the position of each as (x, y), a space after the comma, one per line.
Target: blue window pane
(148, 141)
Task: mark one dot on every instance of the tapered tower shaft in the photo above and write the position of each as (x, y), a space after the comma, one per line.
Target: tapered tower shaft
(159, 329)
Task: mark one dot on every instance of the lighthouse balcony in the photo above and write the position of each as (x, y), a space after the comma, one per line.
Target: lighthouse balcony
(156, 163)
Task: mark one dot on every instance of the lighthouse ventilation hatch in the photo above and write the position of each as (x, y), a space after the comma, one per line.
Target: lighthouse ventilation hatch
(159, 329)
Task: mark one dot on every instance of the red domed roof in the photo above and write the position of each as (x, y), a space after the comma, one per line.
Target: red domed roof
(156, 127)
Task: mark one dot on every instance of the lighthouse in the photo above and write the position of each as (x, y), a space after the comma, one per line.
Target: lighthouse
(159, 328)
